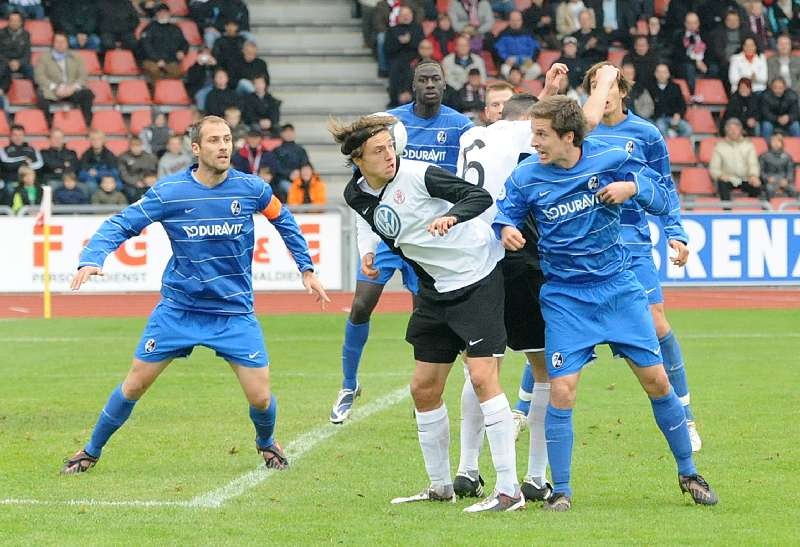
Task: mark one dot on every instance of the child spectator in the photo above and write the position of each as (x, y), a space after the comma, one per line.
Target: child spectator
(28, 191)
(174, 159)
(777, 169)
(108, 194)
(238, 129)
(307, 187)
(69, 193)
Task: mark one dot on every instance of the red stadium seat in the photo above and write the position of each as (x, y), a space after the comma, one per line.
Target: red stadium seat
(71, 122)
(3, 23)
(615, 57)
(271, 144)
(188, 60)
(41, 32)
(35, 56)
(102, 92)
(4, 129)
(491, 69)
(442, 6)
(140, 119)
(696, 180)
(179, 120)
(701, 120)
(109, 122)
(117, 146)
(684, 88)
(706, 149)
(79, 146)
(40, 143)
(761, 145)
(178, 8)
(21, 93)
(120, 62)
(712, 91)
(90, 60)
(171, 92)
(792, 147)
(133, 92)
(660, 7)
(33, 121)
(534, 87)
(190, 32)
(681, 151)
(547, 57)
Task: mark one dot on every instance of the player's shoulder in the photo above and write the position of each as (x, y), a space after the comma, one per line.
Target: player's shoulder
(472, 134)
(454, 118)
(413, 169)
(402, 112)
(173, 186)
(643, 129)
(246, 181)
(528, 169)
(600, 153)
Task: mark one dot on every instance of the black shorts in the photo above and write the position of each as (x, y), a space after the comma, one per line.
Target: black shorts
(441, 329)
(523, 316)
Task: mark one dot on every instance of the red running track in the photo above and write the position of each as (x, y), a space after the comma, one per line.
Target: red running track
(140, 304)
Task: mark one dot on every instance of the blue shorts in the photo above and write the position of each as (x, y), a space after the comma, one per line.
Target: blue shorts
(171, 333)
(578, 317)
(645, 271)
(387, 262)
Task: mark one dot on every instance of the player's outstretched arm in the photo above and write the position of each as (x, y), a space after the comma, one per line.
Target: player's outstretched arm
(314, 286)
(83, 275)
(552, 80)
(596, 104)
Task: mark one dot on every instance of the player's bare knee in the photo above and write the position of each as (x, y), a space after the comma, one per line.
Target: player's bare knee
(562, 394)
(656, 384)
(426, 393)
(260, 401)
(133, 388)
(660, 320)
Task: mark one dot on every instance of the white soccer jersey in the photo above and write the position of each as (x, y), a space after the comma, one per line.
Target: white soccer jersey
(401, 211)
(489, 154)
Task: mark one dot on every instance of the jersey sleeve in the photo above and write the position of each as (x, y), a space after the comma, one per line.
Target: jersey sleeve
(367, 239)
(287, 227)
(512, 209)
(468, 200)
(651, 194)
(671, 219)
(121, 227)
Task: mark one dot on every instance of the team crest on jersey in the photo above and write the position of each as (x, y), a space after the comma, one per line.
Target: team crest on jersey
(387, 221)
(629, 147)
(441, 137)
(150, 345)
(236, 207)
(594, 183)
(557, 360)
(399, 197)
(502, 193)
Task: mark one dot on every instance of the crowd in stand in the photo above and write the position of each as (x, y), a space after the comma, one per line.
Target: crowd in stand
(222, 75)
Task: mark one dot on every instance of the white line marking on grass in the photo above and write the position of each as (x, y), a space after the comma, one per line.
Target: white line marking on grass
(238, 486)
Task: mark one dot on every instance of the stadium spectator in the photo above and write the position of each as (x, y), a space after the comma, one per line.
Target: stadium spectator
(28, 191)
(592, 43)
(475, 13)
(108, 194)
(777, 169)
(222, 96)
(540, 20)
(660, 41)
(5, 84)
(262, 109)
(784, 64)
(783, 17)
(516, 46)
(515, 78)
(749, 63)
(568, 17)
(251, 157)
(247, 68)
(400, 84)
(779, 110)
(670, 106)
(289, 154)
(57, 158)
(133, 166)
(644, 60)
(442, 37)
(174, 159)
(15, 46)
(228, 48)
(18, 153)
(61, 76)
(640, 101)
(233, 117)
(569, 57)
(307, 188)
(155, 136)
(724, 42)
(756, 23)
(689, 53)
(162, 47)
(78, 20)
(457, 65)
(279, 188)
(734, 163)
(117, 21)
(69, 193)
(472, 96)
(97, 162)
(217, 15)
(617, 19)
(199, 78)
(745, 107)
(402, 41)
(30, 9)
(146, 8)
(713, 13)
(366, 9)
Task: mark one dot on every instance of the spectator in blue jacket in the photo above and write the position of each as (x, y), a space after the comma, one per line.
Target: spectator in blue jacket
(70, 193)
(517, 46)
(97, 162)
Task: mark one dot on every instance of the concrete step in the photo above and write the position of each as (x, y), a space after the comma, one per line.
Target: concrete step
(327, 159)
(330, 100)
(300, 12)
(331, 69)
(311, 129)
(311, 41)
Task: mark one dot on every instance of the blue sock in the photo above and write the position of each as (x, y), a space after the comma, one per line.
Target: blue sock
(559, 435)
(355, 338)
(264, 422)
(113, 415)
(673, 364)
(525, 390)
(671, 419)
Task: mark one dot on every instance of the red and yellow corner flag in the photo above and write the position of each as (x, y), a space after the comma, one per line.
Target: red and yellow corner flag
(43, 220)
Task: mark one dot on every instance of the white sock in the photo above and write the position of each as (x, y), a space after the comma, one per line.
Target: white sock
(500, 432)
(433, 429)
(471, 431)
(537, 450)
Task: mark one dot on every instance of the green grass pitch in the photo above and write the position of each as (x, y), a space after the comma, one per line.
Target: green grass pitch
(190, 435)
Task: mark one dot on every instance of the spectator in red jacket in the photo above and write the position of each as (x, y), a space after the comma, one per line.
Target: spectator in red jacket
(251, 157)
(442, 37)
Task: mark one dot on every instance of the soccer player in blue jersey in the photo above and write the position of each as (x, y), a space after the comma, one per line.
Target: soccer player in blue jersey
(615, 124)
(207, 290)
(574, 187)
(433, 134)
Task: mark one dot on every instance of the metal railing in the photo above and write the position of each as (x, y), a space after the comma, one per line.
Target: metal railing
(6, 211)
(690, 204)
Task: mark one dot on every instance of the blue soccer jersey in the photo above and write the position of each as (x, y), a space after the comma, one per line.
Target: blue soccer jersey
(435, 139)
(644, 142)
(211, 233)
(579, 237)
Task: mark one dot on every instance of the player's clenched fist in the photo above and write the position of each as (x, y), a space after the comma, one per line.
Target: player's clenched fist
(368, 266)
(512, 238)
(84, 272)
(617, 192)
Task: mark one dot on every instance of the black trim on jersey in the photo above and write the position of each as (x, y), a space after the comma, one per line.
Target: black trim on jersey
(468, 200)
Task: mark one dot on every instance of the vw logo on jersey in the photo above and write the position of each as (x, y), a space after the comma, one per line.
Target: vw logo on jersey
(441, 137)
(594, 183)
(150, 345)
(387, 221)
(557, 360)
(236, 207)
(629, 147)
